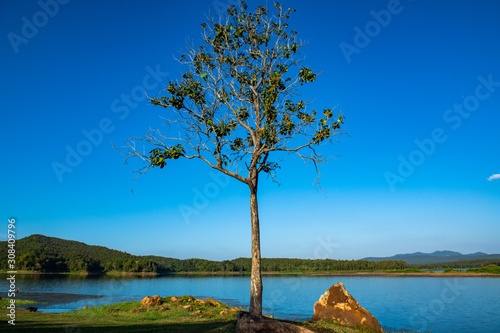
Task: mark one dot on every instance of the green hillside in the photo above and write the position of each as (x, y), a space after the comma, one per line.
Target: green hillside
(48, 254)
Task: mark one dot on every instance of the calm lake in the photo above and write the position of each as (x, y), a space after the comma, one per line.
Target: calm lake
(404, 303)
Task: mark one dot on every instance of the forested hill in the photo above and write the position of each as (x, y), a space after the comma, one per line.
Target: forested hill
(48, 254)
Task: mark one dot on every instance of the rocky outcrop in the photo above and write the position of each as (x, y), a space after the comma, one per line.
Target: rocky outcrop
(249, 323)
(151, 301)
(337, 304)
(164, 307)
(211, 302)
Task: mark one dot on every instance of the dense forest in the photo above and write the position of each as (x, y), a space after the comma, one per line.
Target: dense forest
(274, 265)
(48, 254)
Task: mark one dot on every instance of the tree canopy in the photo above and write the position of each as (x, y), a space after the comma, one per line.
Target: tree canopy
(237, 101)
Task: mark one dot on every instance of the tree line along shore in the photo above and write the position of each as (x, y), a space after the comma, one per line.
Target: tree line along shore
(42, 254)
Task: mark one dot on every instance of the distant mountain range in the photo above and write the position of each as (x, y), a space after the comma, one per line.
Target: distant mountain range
(435, 257)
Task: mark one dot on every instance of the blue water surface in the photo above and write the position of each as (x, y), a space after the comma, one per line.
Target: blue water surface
(435, 304)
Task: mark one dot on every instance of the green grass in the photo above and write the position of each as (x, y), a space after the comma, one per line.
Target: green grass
(132, 317)
(4, 302)
(127, 317)
(491, 269)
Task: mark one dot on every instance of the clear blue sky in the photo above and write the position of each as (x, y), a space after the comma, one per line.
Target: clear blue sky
(407, 72)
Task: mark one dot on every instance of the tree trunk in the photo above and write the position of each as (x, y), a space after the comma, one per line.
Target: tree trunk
(256, 278)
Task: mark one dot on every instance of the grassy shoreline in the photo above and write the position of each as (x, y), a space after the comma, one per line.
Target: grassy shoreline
(185, 314)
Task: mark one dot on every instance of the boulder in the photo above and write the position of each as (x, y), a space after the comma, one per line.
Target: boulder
(175, 299)
(164, 307)
(211, 302)
(337, 304)
(151, 301)
(224, 312)
(85, 307)
(249, 323)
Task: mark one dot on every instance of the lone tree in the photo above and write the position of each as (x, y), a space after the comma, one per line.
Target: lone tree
(237, 107)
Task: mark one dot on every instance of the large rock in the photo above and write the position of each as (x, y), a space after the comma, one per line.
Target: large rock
(337, 304)
(249, 323)
(211, 302)
(151, 301)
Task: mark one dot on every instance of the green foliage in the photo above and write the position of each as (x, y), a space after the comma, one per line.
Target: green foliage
(4, 302)
(490, 269)
(48, 254)
(240, 86)
(306, 75)
(159, 156)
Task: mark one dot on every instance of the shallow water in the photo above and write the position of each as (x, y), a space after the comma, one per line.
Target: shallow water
(406, 303)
